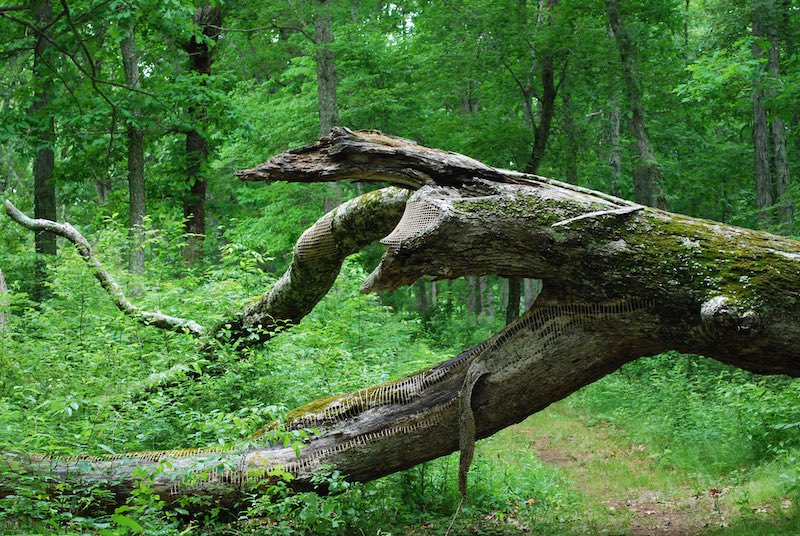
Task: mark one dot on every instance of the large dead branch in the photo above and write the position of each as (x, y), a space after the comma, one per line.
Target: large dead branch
(317, 259)
(621, 281)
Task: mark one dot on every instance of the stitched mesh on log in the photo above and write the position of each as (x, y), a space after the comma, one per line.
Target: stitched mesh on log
(417, 217)
(317, 241)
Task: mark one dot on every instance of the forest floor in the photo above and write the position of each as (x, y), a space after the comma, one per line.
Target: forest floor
(640, 496)
(622, 487)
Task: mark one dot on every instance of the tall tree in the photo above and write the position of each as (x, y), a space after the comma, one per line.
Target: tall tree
(539, 105)
(201, 56)
(135, 134)
(3, 300)
(769, 130)
(615, 154)
(761, 153)
(326, 68)
(647, 179)
(43, 137)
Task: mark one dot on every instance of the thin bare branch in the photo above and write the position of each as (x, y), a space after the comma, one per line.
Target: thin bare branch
(107, 281)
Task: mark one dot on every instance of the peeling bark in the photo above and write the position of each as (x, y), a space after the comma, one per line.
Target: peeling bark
(620, 281)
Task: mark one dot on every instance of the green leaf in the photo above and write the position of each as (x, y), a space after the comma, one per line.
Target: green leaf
(128, 523)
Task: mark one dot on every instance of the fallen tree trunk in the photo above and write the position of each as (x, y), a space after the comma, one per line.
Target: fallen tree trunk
(620, 281)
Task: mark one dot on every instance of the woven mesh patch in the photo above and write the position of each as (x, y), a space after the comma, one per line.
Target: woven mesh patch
(417, 217)
(317, 241)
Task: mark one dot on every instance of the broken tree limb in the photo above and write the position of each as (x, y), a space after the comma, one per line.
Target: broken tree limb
(316, 262)
(107, 281)
(617, 285)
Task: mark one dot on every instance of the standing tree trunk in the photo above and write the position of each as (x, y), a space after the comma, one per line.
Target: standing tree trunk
(201, 57)
(44, 194)
(487, 296)
(778, 128)
(570, 132)
(3, 300)
(615, 156)
(137, 205)
(545, 113)
(532, 289)
(474, 304)
(326, 69)
(647, 181)
(326, 88)
(422, 297)
(760, 132)
(514, 295)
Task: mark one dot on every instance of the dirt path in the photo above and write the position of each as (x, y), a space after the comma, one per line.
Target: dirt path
(639, 497)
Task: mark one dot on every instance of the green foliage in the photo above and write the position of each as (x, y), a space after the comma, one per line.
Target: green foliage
(699, 415)
(447, 74)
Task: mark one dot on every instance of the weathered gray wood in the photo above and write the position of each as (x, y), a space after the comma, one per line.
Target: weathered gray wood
(620, 281)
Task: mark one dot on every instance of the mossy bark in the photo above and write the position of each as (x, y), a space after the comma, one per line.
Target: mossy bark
(620, 281)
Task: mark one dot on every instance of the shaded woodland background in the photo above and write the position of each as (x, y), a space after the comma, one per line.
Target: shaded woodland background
(128, 119)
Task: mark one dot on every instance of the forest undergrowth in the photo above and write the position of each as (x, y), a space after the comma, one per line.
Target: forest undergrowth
(700, 445)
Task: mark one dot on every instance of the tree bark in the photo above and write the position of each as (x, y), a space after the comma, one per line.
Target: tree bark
(4, 312)
(487, 296)
(514, 295)
(615, 156)
(763, 175)
(570, 133)
(137, 204)
(620, 281)
(532, 288)
(547, 99)
(474, 301)
(201, 57)
(44, 195)
(422, 298)
(647, 181)
(326, 69)
(778, 127)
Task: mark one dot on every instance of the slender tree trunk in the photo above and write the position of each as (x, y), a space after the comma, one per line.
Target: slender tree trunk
(474, 305)
(686, 24)
(137, 204)
(532, 289)
(326, 89)
(615, 157)
(201, 58)
(487, 296)
(778, 128)
(422, 297)
(4, 312)
(647, 181)
(44, 194)
(570, 133)
(434, 295)
(760, 130)
(546, 111)
(326, 69)
(514, 294)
